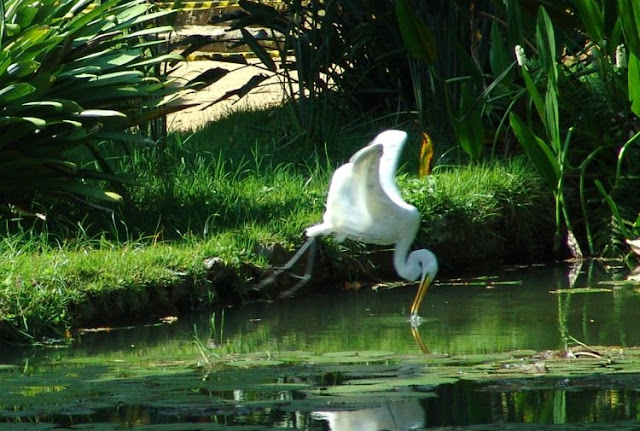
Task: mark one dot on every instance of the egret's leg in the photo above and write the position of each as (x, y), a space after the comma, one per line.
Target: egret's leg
(422, 291)
(287, 266)
(308, 269)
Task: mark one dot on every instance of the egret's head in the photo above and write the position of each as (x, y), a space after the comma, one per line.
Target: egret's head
(422, 264)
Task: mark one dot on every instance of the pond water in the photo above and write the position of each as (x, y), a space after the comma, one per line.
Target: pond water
(349, 360)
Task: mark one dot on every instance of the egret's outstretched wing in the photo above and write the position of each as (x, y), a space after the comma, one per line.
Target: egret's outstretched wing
(346, 214)
(364, 202)
(392, 143)
(366, 181)
(389, 215)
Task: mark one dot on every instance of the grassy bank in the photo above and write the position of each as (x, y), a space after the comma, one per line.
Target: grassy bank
(199, 225)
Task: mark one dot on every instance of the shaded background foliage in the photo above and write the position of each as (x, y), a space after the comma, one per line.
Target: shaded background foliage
(444, 67)
(76, 74)
(455, 65)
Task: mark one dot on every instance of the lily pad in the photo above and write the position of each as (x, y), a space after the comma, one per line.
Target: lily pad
(581, 290)
(359, 354)
(350, 357)
(24, 427)
(254, 362)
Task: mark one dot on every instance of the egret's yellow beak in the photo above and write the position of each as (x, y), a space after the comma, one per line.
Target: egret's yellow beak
(422, 291)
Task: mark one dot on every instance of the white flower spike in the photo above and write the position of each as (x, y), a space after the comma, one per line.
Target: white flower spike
(521, 57)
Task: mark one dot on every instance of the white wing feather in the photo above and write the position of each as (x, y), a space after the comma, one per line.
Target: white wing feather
(392, 142)
(346, 214)
(363, 201)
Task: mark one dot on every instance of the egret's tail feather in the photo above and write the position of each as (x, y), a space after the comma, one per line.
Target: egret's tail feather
(321, 229)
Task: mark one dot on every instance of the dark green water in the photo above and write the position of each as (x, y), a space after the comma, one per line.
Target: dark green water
(240, 375)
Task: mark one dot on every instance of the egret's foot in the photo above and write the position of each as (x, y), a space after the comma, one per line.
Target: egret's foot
(415, 320)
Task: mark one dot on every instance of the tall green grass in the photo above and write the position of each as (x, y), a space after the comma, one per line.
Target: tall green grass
(49, 286)
(211, 194)
(192, 200)
(480, 215)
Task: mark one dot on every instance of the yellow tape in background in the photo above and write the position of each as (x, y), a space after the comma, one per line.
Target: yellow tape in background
(195, 5)
(204, 5)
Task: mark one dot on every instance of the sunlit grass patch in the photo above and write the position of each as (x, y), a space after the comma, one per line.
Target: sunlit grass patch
(49, 290)
(213, 194)
(490, 211)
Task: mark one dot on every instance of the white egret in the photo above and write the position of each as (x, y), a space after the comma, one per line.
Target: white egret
(364, 204)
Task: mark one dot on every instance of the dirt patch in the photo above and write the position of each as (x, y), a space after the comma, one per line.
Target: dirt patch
(269, 93)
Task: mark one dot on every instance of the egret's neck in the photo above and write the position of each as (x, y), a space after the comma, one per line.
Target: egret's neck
(400, 258)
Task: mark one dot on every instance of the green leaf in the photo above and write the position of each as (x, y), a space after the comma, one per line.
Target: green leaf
(5, 61)
(22, 68)
(43, 108)
(158, 60)
(20, 127)
(26, 16)
(79, 25)
(12, 29)
(258, 50)
(100, 113)
(113, 95)
(104, 60)
(614, 209)
(158, 112)
(103, 118)
(469, 130)
(538, 151)
(15, 91)
(515, 29)
(151, 31)
(499, 58)
(535, 95)
(118, 78)
(144, 18)
(633, 77)
(629, 12)
(80, 6)
(76, 72)
(91, 69)
(86, 190)
(58, 105)
(552, 116)
(546, 40)
(416, 35)
(38, 122)
(28, 39)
